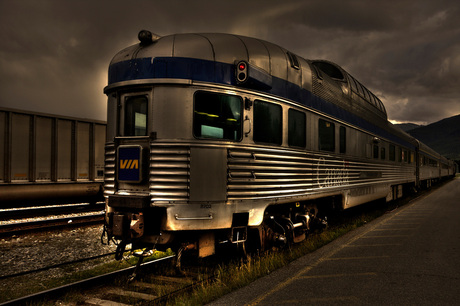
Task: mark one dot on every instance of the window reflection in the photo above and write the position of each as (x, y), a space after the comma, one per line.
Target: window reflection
(135, 116)
(217, 116)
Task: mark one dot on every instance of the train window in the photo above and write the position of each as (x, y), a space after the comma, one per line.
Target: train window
(217, 116)
(375, 101)
(343, 139)
(392, 153)
(326, 137)
(400, 154)
(297, 136)
(376, 151)
(382, 153)
(382, 107)
(135, 116)
(379, 105)
(360, 89)
(366, 93)
(267, 122)
(330, 69)
(354, 87)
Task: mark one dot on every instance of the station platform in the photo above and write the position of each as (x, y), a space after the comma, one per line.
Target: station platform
(410, 256)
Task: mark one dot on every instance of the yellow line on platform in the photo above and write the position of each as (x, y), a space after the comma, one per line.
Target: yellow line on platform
(385, 236)
(338, 275)
(334, 300)
(374, 245)
(357, 257)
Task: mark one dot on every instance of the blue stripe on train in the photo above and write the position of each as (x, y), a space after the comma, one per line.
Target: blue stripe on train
(222, 73)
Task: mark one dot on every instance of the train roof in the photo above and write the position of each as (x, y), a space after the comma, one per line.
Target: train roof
(270, 59)
(212, 57)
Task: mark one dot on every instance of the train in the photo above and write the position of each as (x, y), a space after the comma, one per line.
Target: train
(48, 159)
(220, 139)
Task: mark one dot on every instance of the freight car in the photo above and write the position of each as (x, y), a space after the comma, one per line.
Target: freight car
(46, 158)
(215, 138)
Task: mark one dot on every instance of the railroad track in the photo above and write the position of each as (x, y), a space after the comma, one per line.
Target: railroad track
(41, 211)
(20, 221)
(150, 289)
(29, 272)
(157, 281)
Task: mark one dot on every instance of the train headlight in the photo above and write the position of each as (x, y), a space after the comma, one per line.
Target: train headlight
(146, 37)
(241, 72)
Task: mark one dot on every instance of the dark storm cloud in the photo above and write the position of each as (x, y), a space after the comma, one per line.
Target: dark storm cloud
(408, 55)
(54, 54)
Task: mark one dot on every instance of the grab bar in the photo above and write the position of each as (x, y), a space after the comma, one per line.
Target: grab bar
(209, 217)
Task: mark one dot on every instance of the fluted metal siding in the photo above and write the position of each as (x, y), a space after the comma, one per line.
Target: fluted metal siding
(266, 174)
(169, 173)
(258, 173)
(109, 173)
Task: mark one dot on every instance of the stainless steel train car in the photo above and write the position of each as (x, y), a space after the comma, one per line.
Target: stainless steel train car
(47, 158)
(216, 138)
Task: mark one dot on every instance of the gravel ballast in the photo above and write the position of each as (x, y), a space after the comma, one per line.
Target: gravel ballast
(34, 251)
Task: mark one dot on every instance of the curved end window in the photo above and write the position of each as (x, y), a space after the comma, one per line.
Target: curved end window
(217, 116)
(135, 116)
(330, 69)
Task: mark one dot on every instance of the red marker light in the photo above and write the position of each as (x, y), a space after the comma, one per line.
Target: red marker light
(241, 72)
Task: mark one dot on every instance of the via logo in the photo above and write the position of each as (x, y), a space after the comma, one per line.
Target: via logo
(129, 164)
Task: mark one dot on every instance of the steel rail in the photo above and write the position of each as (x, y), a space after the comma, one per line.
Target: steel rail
(22, 227)
(96, 280)
(41, 211)
(57, 265)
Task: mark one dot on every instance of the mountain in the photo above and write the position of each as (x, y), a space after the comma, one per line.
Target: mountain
(442, 136)
(408, 126)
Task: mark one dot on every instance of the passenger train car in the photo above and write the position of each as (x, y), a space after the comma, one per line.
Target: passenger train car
(216, 138)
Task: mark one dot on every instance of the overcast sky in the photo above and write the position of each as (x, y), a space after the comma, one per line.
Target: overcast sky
(54, 54)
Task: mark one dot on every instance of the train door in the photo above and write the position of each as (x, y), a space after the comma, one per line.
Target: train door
(217, 117)
(132, 142)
